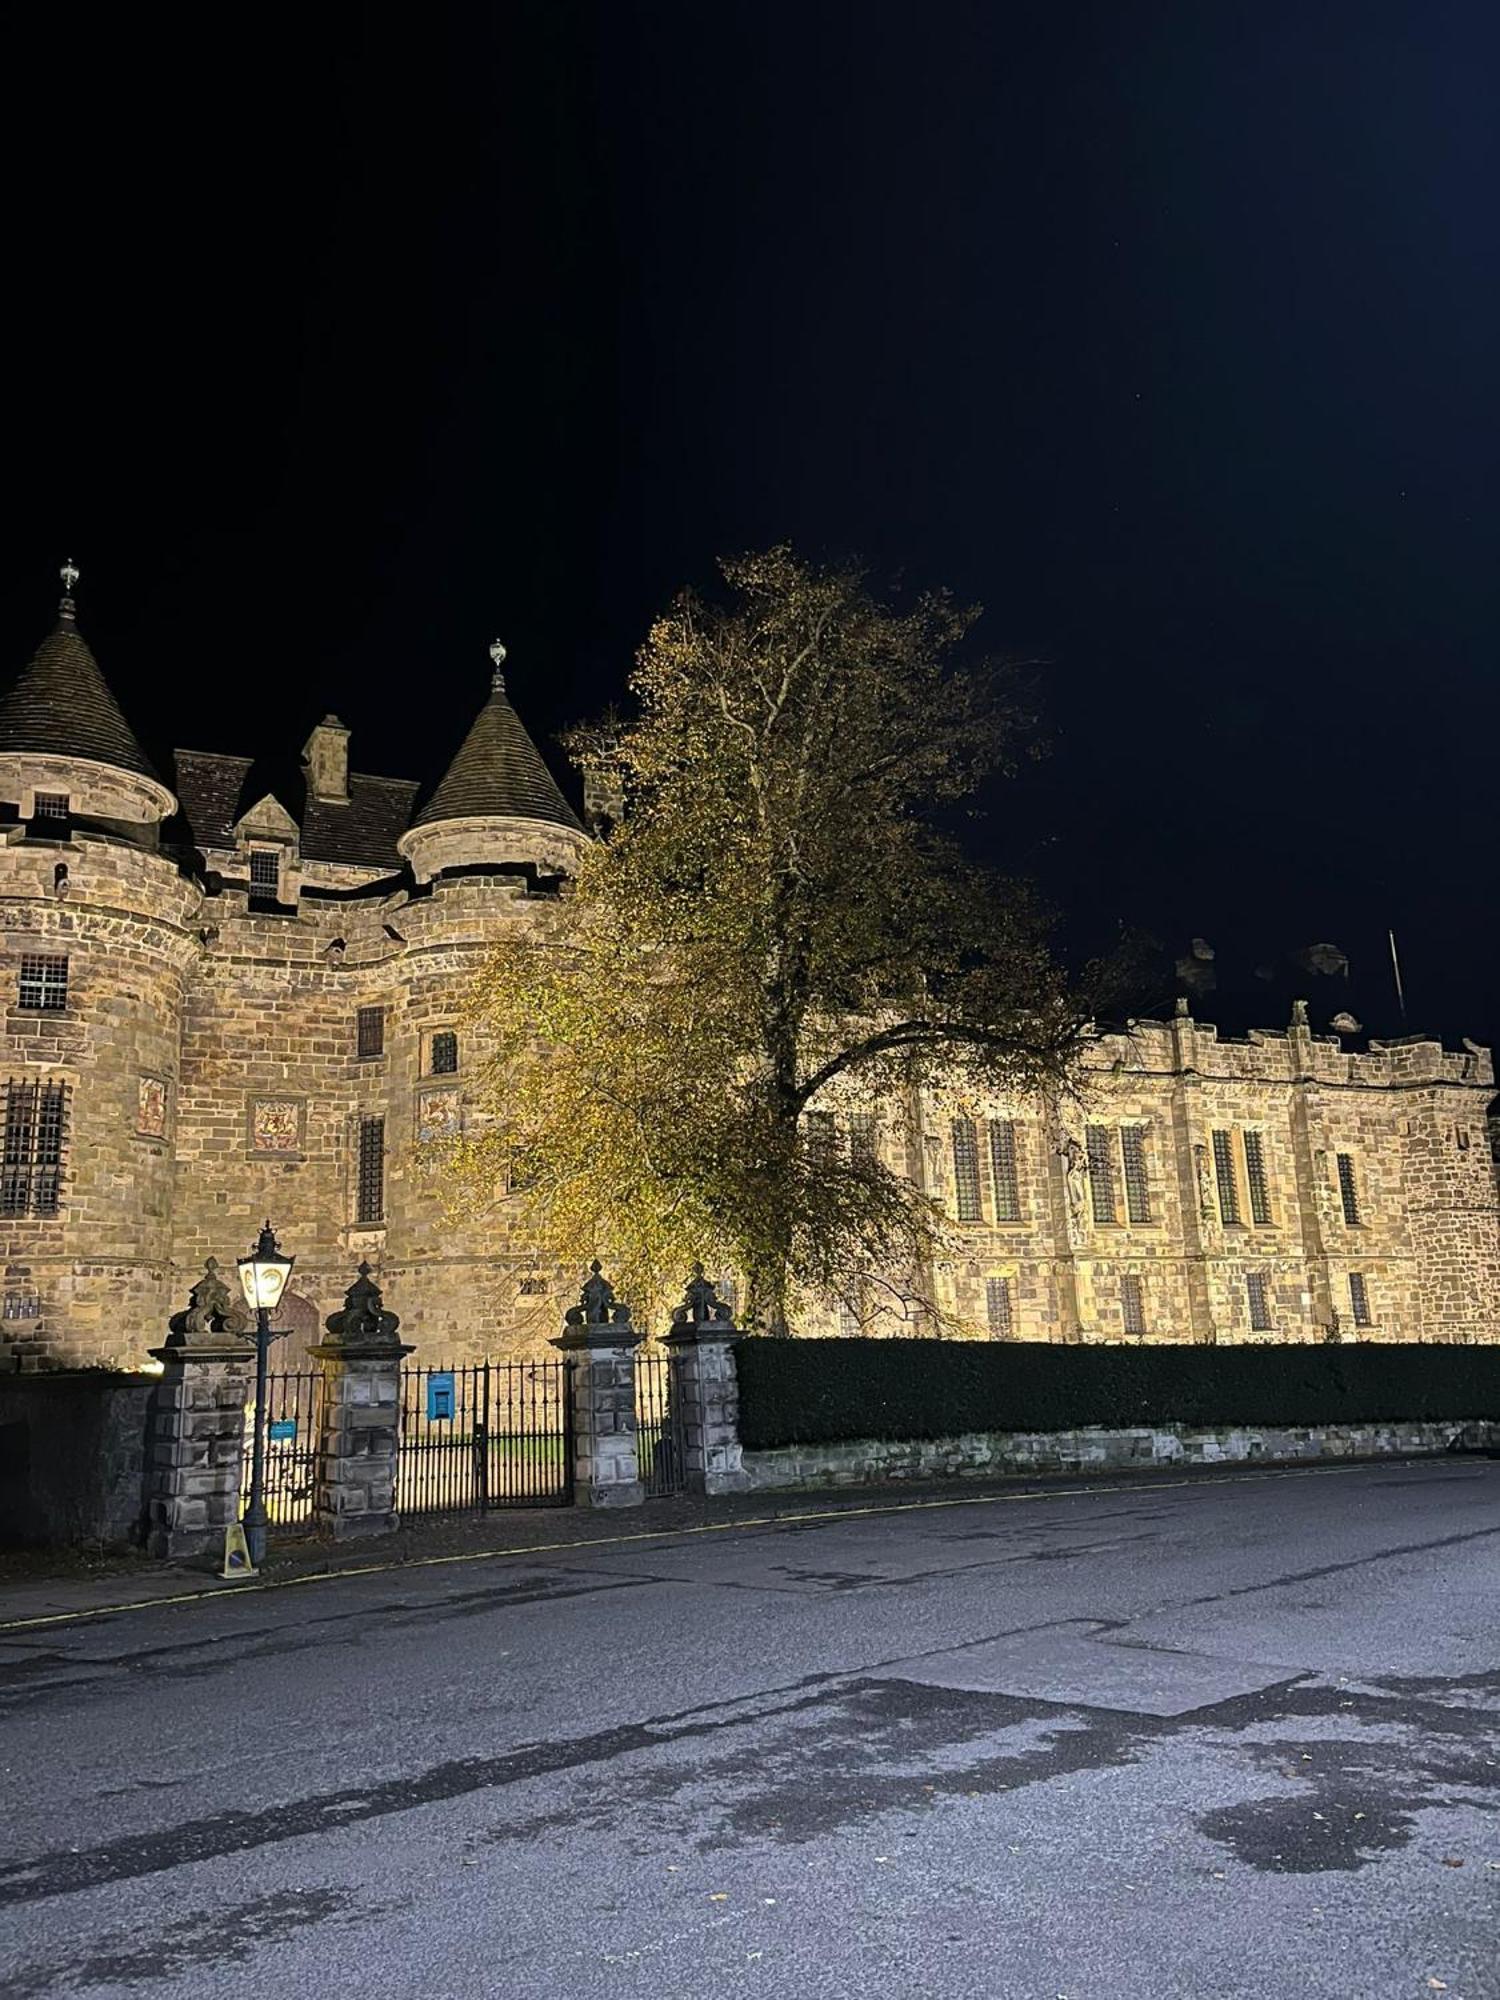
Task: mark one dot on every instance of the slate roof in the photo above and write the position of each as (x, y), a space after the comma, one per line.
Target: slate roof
(498, 771)
(62, 707)
(216, 790)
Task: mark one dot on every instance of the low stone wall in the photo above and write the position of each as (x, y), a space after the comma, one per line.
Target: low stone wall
(980, 1452)
(73, 1458)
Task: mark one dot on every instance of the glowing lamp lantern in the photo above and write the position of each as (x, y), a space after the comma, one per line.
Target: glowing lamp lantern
(264, 1273)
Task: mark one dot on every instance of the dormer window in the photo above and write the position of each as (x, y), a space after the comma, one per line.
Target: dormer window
(265, 872)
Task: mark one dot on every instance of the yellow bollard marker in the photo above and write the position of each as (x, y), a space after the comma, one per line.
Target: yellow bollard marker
(236, 1555)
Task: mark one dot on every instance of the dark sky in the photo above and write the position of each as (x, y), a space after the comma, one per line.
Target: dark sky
(340, 342)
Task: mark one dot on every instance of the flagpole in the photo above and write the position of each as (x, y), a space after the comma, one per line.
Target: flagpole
(1396, 969)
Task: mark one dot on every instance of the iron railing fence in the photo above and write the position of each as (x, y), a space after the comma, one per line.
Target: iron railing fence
(658, 1420)
(294, 1415)
(484, 1434)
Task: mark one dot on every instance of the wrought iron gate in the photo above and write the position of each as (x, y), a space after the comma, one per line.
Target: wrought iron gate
(487, 1434)
(294, 1410)
(658, 1423)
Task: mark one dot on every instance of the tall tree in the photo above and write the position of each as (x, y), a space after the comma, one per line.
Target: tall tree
(777, 919)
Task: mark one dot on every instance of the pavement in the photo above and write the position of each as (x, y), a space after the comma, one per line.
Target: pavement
(1211, 1736)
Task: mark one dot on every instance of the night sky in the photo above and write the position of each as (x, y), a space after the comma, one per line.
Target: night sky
(1168, 333)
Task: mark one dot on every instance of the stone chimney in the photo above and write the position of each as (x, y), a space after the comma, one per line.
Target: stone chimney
(603, 796)
(325, 762)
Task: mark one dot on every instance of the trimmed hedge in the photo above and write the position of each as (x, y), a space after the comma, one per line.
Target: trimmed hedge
(831, 1391)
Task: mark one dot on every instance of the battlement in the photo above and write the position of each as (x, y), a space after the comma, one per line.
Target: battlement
(1183, 1046)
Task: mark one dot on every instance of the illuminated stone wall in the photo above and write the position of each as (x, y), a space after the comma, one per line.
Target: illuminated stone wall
(1420, 1238)
(211, 1057)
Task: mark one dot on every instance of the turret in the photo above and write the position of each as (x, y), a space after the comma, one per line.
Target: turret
(498, 804)
(66, 751)
(101, 940)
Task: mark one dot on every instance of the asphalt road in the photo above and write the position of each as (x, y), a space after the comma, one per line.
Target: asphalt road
(1212, 1739)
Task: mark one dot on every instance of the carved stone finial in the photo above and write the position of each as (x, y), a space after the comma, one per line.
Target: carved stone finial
(214, 1317)
(597, 1298)
(497, 678)
(364, 1320)
(700, 1301)
(1299, 1013)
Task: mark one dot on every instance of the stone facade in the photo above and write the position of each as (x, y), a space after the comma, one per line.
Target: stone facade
(1199, 1189)
(257, 1013)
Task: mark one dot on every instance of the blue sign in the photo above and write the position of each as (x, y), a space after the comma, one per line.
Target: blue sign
(283, 1430)
(440, 1398)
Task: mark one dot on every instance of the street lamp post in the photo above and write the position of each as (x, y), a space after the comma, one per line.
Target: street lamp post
(263, 1274)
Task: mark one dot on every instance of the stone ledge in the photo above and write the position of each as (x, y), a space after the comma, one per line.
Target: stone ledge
(976, 1453)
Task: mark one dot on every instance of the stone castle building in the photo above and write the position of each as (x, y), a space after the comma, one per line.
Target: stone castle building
(232, 995)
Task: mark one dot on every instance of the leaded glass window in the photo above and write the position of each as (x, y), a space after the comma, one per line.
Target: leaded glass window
(31, 1157)
(1348, 1191)
(1137, 1188)
(862, 1135)
(371, 1190)
(822, 1138)
(1229, 1192)
(1132, 1304)
(265, 872)
(1255, 1178)
(369, 1030)
(43, 985)
(1101, 1174)
(966, 1204)
(444, 1053)
(1258, 1294)
(1359, 1299)
(999, 1308)
(1003, 1170)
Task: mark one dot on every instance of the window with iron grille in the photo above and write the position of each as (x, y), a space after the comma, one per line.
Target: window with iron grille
(265, 872)
(1229, 1192)
(1101, 1174)
(1137, 1189)
(999, 1308)
(44, 984)
(1359, 1299)
(371, 1190)
(50, 805)
(1348, 1192)
(533, 1287)
(849, 1320)
(862, 1135)
(1257, 1293)
(31, 1158)
(443, 1055)
(966, 1205)
(1132, 1304)
(1003, 1170)
(1255, 1178)
(369, 1032)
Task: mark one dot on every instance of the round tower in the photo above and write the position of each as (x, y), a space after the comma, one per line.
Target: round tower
(498, 804)
(99, 941)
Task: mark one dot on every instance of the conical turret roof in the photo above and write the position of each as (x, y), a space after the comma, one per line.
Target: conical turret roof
(498, 772)
(62, 707)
